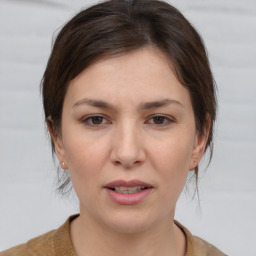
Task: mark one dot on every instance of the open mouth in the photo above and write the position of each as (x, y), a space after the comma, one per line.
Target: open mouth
(128, 190)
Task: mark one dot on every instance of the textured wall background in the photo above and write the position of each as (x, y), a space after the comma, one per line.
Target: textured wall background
(29, 205)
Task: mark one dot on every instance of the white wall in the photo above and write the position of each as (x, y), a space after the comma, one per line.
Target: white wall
(28, 203)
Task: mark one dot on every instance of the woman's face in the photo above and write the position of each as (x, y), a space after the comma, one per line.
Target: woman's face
(129, 139)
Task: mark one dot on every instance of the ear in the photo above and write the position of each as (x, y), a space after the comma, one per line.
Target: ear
(200, 144)
(57, 142)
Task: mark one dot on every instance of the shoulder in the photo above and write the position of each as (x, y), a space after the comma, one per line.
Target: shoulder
(205, 248)
(55, 242)
(197, 246)
(41, 245)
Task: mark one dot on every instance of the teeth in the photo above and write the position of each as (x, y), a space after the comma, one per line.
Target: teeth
(128, 190)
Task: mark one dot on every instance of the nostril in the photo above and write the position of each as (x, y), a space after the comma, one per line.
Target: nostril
(127, 165)
(132, 164)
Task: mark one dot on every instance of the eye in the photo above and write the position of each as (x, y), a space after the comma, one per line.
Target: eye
(159, 120)
(95, 120)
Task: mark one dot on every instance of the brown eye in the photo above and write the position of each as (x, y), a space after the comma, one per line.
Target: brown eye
(95, 121)
(158, 119)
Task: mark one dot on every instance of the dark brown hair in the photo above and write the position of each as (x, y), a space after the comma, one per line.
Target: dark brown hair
(119, 26)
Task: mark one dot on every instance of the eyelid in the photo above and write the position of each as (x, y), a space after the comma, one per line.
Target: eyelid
(169, 119)
(88, 117)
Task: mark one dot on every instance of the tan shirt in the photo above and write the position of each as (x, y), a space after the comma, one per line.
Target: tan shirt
(58, 243)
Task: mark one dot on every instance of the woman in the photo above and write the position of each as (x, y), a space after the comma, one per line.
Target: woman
(130, 105)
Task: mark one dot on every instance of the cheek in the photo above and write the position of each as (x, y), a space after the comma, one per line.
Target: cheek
(171, 160)
(81, 148)
(84, 170)
(173, 155)
(85, 158)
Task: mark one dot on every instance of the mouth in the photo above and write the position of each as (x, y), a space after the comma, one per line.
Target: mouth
(128, 190)
(128, 187)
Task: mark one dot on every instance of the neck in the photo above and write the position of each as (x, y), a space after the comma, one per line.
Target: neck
(90, 238)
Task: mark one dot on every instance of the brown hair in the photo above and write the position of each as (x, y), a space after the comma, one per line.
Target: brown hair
(119, 26)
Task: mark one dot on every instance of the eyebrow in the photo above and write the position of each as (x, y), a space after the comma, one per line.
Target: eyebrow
(142, 106)
(94, 103)
(159, 103)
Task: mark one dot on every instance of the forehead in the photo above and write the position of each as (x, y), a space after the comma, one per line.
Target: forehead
(145, 73)
(153, 55)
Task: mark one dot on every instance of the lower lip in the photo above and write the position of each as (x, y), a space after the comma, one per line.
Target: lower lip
(128, 199)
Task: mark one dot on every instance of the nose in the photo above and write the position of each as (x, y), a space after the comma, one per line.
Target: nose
(127, 149)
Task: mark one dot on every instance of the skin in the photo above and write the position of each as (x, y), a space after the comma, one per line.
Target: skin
(126, 142)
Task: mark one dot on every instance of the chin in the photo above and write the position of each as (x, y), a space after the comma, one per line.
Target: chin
(129, 228)
(129, 223)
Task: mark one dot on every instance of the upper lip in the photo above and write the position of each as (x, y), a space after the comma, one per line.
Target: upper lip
(130, 183)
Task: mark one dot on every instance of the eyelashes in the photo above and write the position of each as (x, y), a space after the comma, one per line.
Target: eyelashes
(160, 120)
(95, 120)
(101, 121)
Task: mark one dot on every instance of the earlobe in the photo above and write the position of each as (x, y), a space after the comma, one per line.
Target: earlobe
(200, 144)
(198, 151)
(57, 142)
